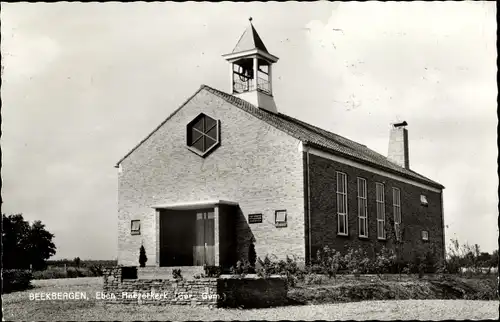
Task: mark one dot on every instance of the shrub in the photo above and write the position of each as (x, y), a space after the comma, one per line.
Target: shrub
(288, 268)
(73, 272)
(142, 256)
(330, 261)
(212, 271)
(50, 273)
(384, 261)
(314, 279)
(96, 270)
(357, 261)
(315, 269)
(241, 268)
(16, 280)
(252, 256)
(176, 274)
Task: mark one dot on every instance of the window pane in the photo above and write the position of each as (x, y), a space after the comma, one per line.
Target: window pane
(199, 145)
(209, 122)
(341, 181)
(209, 142)
(195, 135)
(199, 124)
(341, 224)
(380, 229)
(213, 133)
(281, 216)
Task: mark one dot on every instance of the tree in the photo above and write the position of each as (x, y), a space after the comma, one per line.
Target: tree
(77, 261)
(40, 245)
(494, 258)
(25, 244)
(142, 256)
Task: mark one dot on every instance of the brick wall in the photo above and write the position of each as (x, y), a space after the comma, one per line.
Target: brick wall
(184, 292)
(222, 292)
(415, 217)
(256, 165)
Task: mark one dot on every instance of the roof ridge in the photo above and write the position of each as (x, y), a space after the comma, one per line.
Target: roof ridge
(360, 155)
(308, 134)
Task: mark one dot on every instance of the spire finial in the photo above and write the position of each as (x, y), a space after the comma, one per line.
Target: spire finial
(250, 19)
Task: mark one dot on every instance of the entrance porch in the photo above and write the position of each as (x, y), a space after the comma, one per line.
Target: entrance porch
(194, 234)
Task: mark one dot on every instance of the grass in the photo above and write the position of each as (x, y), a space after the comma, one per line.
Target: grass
(344, 289)
(17, 306)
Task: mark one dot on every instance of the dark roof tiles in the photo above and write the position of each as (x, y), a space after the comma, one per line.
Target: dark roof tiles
(315, 136)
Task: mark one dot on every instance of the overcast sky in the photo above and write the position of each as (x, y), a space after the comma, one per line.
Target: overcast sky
(82, 84)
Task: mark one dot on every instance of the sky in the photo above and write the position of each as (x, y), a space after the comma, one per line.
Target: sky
(83, 83)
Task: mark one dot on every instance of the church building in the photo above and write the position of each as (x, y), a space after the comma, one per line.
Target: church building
(228, 168)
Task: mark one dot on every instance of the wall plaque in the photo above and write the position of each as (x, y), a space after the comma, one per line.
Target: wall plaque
(254, 218)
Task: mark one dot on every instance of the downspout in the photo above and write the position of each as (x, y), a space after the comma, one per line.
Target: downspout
(309, 205)
(442, 225)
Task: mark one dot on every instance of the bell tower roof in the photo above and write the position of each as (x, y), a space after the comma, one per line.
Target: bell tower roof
(250, 70)
(250, 44)
(250, 40)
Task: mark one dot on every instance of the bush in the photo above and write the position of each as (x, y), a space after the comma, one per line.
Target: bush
(16, 280)
(329, 261)
(212, 271)
(142, 256)
(288, 268)
(252, 256)
(315, 269)
(241, 268)
(384, 261)
(50, 273)
(176, 274)
(357, 261)
(96, 270)
(73, 272)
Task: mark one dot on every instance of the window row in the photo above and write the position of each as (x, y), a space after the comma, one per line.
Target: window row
(362, 199)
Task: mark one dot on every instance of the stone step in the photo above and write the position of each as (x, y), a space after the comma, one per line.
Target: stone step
(153, 272)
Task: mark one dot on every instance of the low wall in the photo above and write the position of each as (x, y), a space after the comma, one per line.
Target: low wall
(252, 291)
(224, 291)
(158, 291)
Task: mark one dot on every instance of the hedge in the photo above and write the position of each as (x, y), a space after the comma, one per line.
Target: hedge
(16, 280)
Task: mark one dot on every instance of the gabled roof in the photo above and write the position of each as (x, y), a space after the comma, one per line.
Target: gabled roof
(313, 136)
(324, 140)
(250, 40)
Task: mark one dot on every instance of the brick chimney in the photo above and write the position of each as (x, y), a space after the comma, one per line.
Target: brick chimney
(398, 145)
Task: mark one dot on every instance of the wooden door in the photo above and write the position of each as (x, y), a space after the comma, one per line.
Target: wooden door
(204, 248)
(176, 238)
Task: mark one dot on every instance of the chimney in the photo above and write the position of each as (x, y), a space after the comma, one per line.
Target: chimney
(398, 145)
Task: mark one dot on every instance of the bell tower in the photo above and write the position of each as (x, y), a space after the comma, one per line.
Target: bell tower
(251, 70)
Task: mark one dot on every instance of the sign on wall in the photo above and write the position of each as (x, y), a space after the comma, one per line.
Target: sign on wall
(254, 218)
